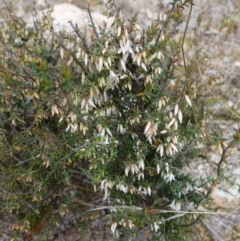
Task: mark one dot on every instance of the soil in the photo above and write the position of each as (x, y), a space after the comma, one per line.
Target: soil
(218, 37)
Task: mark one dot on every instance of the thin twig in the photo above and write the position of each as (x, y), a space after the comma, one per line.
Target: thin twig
(164, 24)
(159, 211)
(91, 19)
(223, 104)
(184, 36)
(25, 70)
(74, 57)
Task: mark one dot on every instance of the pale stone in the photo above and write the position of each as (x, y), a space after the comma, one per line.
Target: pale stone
(65, 13)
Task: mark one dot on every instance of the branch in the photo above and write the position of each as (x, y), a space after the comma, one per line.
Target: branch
(74, 57)
(164, 24)
(92, 23)
(184, 35)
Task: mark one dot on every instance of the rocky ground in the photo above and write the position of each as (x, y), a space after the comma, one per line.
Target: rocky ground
(218, 37)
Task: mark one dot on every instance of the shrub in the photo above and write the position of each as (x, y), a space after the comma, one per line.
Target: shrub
(120, 114)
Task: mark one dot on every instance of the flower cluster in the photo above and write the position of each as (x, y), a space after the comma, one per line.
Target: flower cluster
(117, 110)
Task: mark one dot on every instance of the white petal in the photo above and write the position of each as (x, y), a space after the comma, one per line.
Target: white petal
(175, 125)
(113, 227)
(147, 127)
(127, 170)
(119, 31)
(109, 132)
(149, 191)
(110, 21)
(123, 65)
(176, 109)
(139, 60)
(163, 132)
(144, 66)
(174, 147)
(171, 122)
(61, 53)
(86, 59)
(180, 115)
(161, 151)
(90, 101)
(100, 63)
(188, 100)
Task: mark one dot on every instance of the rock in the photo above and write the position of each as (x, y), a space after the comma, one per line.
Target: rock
(63, 13)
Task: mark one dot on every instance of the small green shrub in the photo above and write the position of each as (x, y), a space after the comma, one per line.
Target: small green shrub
(118, 113)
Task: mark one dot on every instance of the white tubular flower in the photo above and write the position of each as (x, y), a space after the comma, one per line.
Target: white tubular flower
(174, 147)
(61, 53)
(169, 177)
(158, 70)
(72, 127)
(113, 227)
(161, 103)
(106, 185)
(174, 139)
(150, 129)
(158, 168)
(100, 63)
(119, 30)
(149, 191)
(171, 149)
(144, 191)
(108, 111)
(176, 109)
(121, 129)
(188, 100)
(144, 66)
(105, 63)
(123, 223)
(175, 125)
(160, 148)
(54, 110)
(127, 169)
(128, 45)
(83, 77)
(134, 168)
(156, 226)
(139, 59)
(163, 132)
(180, 116)
(167, 167)
(130, 223)
(109, 132)
(72, 116)
(84, 104)
(148, 79)
(141, 164)
(123, 65)
(106, 141)
(140, 175)
(122, 187)
(132, 189)
(109, 61)
(176, 205)
(86, 59)
(172, 122)
(83, 128)
(104, 51)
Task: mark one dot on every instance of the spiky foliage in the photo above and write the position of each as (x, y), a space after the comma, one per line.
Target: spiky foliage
(118, 110)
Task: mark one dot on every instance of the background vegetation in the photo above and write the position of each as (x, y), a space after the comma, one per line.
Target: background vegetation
(117, 118)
